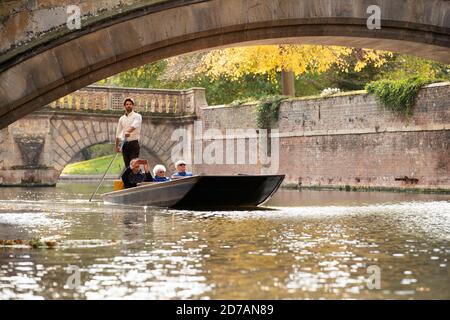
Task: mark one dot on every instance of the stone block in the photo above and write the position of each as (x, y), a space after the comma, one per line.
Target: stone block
(68, 139)
(97, 48)
(125, 40)
(71, 60)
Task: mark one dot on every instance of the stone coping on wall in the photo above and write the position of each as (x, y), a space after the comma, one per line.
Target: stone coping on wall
(112, 113)
(318, 97)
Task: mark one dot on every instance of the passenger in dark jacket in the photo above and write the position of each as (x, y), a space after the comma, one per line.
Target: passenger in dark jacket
(134, 175)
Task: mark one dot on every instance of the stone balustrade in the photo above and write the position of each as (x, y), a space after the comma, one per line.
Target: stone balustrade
(94, 97)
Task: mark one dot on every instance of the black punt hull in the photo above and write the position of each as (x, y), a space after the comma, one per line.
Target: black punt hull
(162, 194)
(201, 192)
(223, 192)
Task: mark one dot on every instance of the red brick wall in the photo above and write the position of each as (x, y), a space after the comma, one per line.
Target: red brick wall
(368, 159)
(352, 140)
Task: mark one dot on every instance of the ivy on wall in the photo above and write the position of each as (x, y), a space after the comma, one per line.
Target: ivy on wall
(398, 95)
(267, 111)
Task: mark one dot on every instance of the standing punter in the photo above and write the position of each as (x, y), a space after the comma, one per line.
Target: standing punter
(129, 129)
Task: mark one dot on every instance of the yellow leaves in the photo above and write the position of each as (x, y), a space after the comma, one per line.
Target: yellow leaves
(183, 67)
(377, 58)
(235, 62)
(270, 59)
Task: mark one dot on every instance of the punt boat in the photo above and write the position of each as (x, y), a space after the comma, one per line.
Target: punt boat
(200, 192)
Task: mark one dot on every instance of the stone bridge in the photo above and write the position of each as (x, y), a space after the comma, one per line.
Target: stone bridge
(44, 58)
(35, 149)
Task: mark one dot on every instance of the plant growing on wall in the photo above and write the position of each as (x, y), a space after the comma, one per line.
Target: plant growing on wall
(329, 92)
(239, 102)
(398, 95)
(267, 111)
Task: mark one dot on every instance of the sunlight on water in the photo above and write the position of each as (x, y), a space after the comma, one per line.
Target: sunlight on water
(322, 245)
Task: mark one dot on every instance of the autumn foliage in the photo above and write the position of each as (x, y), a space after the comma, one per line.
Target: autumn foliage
(271, 59)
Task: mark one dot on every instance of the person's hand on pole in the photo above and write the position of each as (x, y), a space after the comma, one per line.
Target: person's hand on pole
(119, 145)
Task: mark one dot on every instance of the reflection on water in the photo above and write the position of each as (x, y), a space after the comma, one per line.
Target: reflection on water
(315, 244)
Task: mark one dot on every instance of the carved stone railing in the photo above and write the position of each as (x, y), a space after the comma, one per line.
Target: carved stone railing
(177, 102)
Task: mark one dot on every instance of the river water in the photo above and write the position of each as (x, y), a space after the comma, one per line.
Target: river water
(305, 245)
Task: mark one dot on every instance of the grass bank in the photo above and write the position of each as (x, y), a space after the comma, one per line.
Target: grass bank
(96, 166)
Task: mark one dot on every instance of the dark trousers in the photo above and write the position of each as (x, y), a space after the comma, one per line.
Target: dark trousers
(130, 150)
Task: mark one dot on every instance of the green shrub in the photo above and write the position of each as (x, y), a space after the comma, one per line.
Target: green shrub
(398, 96)
(267, 111)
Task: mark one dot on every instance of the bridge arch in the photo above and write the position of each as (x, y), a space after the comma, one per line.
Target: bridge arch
(38, 147)
(52, 69)
(71, 135)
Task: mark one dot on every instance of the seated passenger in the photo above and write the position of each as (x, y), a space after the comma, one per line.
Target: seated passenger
(159, 171)
(134, 175)
(181, 170)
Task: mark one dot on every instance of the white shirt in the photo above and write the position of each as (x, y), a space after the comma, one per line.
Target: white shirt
(133, 119)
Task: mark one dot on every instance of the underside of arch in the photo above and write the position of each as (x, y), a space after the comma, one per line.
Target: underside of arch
(41, 76)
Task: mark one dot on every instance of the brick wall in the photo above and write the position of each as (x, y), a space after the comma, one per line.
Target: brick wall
(351, 140)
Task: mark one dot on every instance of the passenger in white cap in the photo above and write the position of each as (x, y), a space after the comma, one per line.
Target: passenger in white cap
(181, 170)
